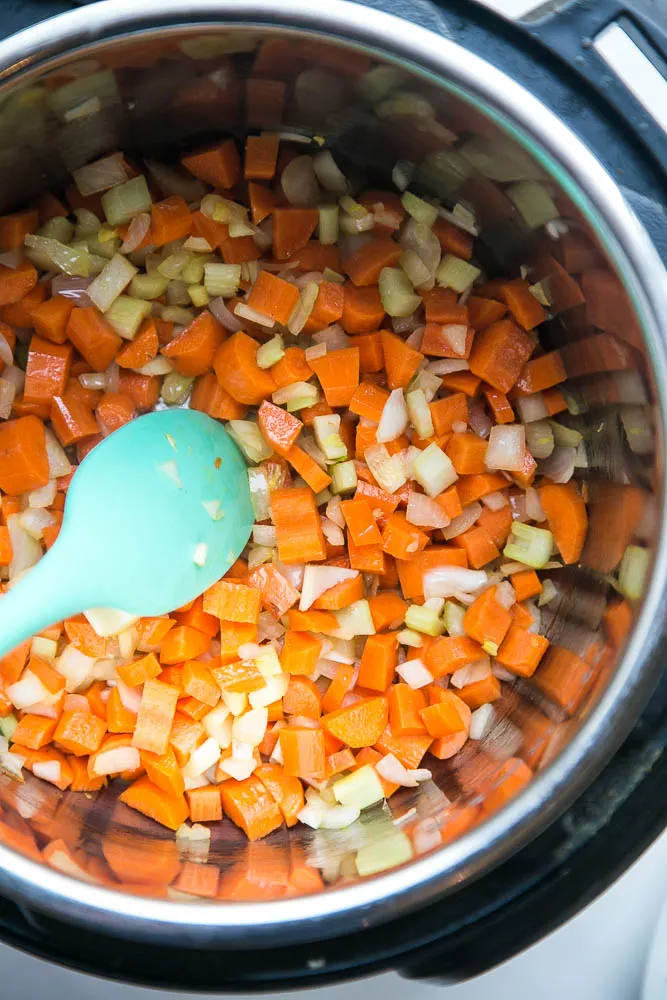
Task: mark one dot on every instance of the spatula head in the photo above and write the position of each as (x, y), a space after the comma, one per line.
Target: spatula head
(155, 514)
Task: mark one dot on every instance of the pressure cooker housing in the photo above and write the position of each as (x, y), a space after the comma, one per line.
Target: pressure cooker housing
(425, 904)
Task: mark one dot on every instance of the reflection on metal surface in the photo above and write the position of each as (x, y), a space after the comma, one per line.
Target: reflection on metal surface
(634, 68)
(154, 97)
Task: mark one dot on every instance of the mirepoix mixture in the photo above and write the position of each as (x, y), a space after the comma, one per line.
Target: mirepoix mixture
(410, 470)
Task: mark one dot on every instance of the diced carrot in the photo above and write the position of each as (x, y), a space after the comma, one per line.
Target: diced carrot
(479, 546)
(338, 373)
(567, 518)
(409, 750)
(360, 522)
(135, 673)
(471, 488)
(170, 220)
(405, 707)
(306, 467)
(400, 360)
(451, 652)
(298, 528)
(486, 620)
(251, 807)
(11, 665)
(262, 201)
(436, 342)
(483, 311)
(387, 611)
(24, 464)
(499, 405)
(378, 663)
(206, 228)
(300, 653)
(363, 311)
(273, 296)
(617, 619)
(280, 428)
(511, 777)
(371, 355)
(366, 558)
(80, 732)
(497, 523)
(6, 547)
(448, 411)
(364, 265)
(291, 368)
(240, 677)
(34, 731)
(143, 389)
(94, 338)
(169, 810)
(50, 318)
(193, 350)
(204, 804)
(390, 207)
(118, 718)
(526, 584)
(464, 382)
(521, 651)
(198, 682)
(411, 573)
(233, 635)
(278, 594)
(448, 716)
(358, 725)
(16, 282)
(452, 239)
(138, 352)
(238, 372)
(328, 307)
(400, 538)
(14, 228)
(441, 306)
(114, 410)
(292, 228)
(302, 698)
(523, 305)
(499, 353)
(233, 602)
(219, 165)
(286, 791)
(303, 751)
(183, 643)
(466, 453)
(155, 716)
(541, 373)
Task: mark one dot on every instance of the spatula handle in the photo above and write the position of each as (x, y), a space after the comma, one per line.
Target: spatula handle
(43, 597)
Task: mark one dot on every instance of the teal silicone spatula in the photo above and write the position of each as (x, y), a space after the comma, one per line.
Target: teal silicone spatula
(155, 514)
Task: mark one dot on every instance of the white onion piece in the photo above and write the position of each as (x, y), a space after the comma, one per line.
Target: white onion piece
(136, 232)
(329, 173)
(507, 448)
(250, 727)
(47, 709)
(518, 505)
(495, 501)
(391, 769)
(531, 407)
(26, 550)
(7, 396)
(130, 696)
(415, 339)
(534, 511)
(447, 581)
(479, 420)
(559, 467)
(471, 673)
(415, 674)
(505, 594)
(15, 376)
(241, 769)
(224, 316)
(333, 534)
(318, 579)
(101, 175)
(12, 764)
(465, 520)
(29, 690)
(76, 703)
(59, 464)
(264, 534)
(34, 520)
(406, 324)
(293, 573)
(299, 183)
(6, 355)
(72, 288)
(425, 512)
(116, 760)
(315, 351)
(394, 418)
(333, 511)
(455, 335)
(502, 673)
(482, 722)
(446, 366)
(333, 337)
(12, 259)
(241, 309)
(49, 770)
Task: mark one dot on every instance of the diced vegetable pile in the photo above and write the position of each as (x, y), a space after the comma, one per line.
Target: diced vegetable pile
(410, 481)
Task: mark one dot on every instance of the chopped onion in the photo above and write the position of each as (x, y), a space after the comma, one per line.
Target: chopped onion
(315, 351)
(560, 465)
(29, 690)
(397, 293)
(26, 550)
(391, 769)
(394, 418)
(531, 407)
(534, 511)
(251, 727)
(318, 579)
(333, 337)
(505, 594)
(7, 396)
(255, 317)
(416, 337)
(447, 366)
(110, 282)
(425, 512)
(49, 770)
(334, 513)
(495, 501)
(333, 534)
(101, 175)
(482, 722)
(415, 674)
(224, 316)
(75, 289)
(136, 232)
(479, 420)
(299, 183)
(540, 438)
(328, 173)
(117, 760)
(12, 259)
(303, 308)
(447, 581)
(465, 520)
(293, 573)
(15, 376)
(34, 520)
(59, 464)
(433, 470)
(388, 470)
(264, 534)
(471, 673)
(507, 447)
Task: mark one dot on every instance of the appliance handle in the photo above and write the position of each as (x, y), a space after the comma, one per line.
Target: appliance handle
(597, 40)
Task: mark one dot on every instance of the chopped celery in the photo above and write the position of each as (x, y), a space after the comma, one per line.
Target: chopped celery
(177, 293)
(247, 435)
(327, 435)
(388, 852)
(175, 314)
(111, 281)
(334, 276)
(442, 171)
(174, 263)
(271, 352)
(259, 494)
(396, 291)
(433, 470)
(344, 476)
(222, 279)
(427, 382)
(500, 159)
(58, 228)
(405, 102)
(87, 223)
(540, 438)
(296, 396)
(415, 268)
(106, 248)
(422, 619)
(126, 200)
(419, 209)
(633, 571)
(100, 85)
(193, 272)
(198, 295)
(419, 413)
(362, 788)
(8, 724)
(48, 254)
(175, 388)
(328, 225)
(353, 208)
(565, 437)
(529, 545)
(380, 81)
(408, 637)
(533, 202)
(356, 619)
(127, 314)
(456, 273)
(490, 647)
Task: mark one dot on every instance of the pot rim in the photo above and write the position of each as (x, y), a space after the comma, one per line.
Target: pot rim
(387, 896)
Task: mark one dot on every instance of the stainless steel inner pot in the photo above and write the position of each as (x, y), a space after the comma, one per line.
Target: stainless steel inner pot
(378, 90)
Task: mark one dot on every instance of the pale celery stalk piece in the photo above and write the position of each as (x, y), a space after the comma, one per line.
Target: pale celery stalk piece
(126, 315)
(380, 855)
(529, 545)
(424, 620)
(344, 477)
(126, 200)
(456, 273)
(362, 788)
(633, 571)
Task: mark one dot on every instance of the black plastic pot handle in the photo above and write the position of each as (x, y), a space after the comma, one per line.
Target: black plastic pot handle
(570, 33)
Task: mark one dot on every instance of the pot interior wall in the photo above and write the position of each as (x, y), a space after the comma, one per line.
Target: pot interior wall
(153, 99)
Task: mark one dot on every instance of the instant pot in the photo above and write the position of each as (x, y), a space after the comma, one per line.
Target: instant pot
(524, 128)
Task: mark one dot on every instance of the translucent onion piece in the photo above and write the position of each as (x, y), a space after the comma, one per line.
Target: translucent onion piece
(299, 183)
(224, 316)
(560, 465)
(446, 581)
(394, 418)
(464, 521)
(507, 447)
(425, 512)
(101, 175)
(136, 233)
